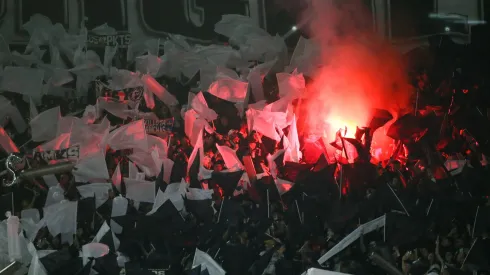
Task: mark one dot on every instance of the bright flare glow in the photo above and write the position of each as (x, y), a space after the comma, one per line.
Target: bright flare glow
(447, 29)
(344, 93)
(294, 28)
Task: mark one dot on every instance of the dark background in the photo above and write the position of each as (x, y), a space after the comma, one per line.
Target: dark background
(409, 17)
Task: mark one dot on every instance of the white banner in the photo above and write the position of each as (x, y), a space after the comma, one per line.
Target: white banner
(353, 236)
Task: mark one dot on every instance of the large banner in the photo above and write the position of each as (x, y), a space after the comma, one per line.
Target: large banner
(194, 19)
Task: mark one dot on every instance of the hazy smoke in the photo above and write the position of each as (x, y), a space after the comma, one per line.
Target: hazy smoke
(361, 70)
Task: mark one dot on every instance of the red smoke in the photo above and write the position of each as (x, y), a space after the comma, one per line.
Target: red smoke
(360, 72)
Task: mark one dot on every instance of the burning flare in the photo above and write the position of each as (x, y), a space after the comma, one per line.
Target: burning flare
(359, 72)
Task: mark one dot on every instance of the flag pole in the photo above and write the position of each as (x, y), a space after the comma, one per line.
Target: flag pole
(343, 147)
(474, 222)
(341, 181)
(299, 213)
(384, 230)
(469, 251)
(399, 201)
(268, 206)
(430, 206)
(220, 209)
(416, 103)
(13, 210)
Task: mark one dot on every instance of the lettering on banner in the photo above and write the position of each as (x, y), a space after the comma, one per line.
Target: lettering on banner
(158, 271)
(154, 271)
(49, 155)
(159, 126)
(193, 13)
(131, 94)
(193, 19)
(121, 39)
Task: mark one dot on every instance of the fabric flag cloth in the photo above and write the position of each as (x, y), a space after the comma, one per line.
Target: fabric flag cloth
(174, 192)
(230, 158)
(60, 142)
(229, 89)
(90, 114)
(45, 125)
(99, 190)
(200, 105)
(198, 202)
(32, 109)
(198, 149)
(305, 57)
(93, 250)
(55, 195)
(123, 79)
(193, 124)
(149, 64)
(25, 81)
(61, 217)
(117, 109)
(292, 145)
(348, 240)
(145, 162)
(406, 127)
(379, 118)
(86, 210)
(140, 190)
(159, 145)
(211, 72)
(257, 121)
(275, 161)
(355, 149)
(168, 165)
(292, 85)
(35, 268)
(7, 110)
(206, 262)
(156, 88)
(132, 170)
(198, 271)
(132, 135)
(455, 167)
(92, 168)
(256, 77)
(106, 236)
(316, 271)
(6, 205)
(59, 262)
(119, 208)
(7, 143)
(117, 177)
(283, 186)
(31, 213)
(228, 181)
